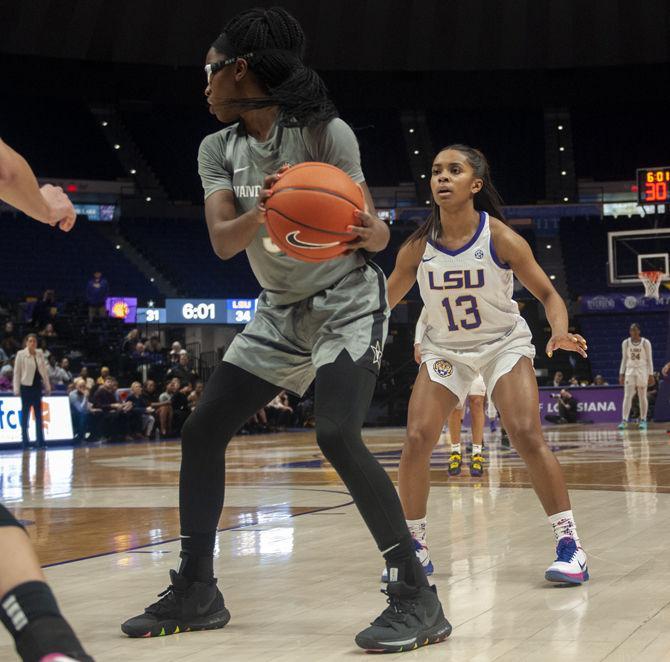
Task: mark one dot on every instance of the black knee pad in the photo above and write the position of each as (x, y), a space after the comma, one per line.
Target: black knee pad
(7, 519)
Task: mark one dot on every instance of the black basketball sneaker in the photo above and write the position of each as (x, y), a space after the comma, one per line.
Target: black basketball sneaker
(413, 618)
(184, 606)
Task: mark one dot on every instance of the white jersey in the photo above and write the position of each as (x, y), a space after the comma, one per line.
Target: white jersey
(467, 293)
(636, 357)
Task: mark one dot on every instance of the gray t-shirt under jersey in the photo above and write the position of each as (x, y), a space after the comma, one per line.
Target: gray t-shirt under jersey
(231, 160)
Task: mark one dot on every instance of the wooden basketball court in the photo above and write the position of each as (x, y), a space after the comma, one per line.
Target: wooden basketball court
(300, 573)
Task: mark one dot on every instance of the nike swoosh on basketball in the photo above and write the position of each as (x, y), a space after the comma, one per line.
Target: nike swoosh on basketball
(427, 259)
(240, 169)
(201, 610)
(292, 238)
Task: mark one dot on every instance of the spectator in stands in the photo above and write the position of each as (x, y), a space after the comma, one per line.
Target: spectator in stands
(599, 380)
(177, 396)
(182, 371)
(4, 359)
(111, 424)
(10, 343)
(48, 331)
(157, 358)
(279, 411)
(559, 379)
(142, 361)
(42, 312)
(175, 353)
(567, 409)
(6, 378)
(130, 341)
(90, 382)
(652, 393)
(97, 291)
(162, 407)
(60, 375)
(81, 409)
(104, 373)
(142, 410)
(31, 376)
(195, 396)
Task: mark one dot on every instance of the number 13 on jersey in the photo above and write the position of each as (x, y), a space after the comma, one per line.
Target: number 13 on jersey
(465, 304)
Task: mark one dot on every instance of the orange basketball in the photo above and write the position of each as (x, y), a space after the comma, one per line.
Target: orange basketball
(309, 211)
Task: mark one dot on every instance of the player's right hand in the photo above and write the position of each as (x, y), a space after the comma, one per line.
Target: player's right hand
(417, 353)
(266, 191)
(621, 379)
(61, 210)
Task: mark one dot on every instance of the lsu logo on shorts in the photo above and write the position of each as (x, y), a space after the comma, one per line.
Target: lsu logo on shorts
(443, 368)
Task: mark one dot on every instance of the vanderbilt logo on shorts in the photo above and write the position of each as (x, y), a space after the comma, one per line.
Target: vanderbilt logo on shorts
(443, 368)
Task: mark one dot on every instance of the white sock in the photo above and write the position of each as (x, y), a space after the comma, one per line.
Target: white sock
(564, 525)
(456, 448)
(476, 449)
(417, 527)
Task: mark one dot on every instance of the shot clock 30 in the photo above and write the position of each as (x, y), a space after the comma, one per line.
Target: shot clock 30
(653, 185)
(209, 311)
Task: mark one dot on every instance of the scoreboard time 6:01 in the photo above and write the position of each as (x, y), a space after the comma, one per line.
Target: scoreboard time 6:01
(209, 311)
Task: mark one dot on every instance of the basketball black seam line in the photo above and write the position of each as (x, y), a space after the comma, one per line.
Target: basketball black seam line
(310, 227)
(318, 190)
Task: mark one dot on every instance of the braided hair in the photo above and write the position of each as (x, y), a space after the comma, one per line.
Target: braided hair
(277, 45)
(486, 199)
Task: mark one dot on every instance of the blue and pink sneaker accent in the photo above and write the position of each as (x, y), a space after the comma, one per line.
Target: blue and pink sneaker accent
(422, 554)
(570, 566)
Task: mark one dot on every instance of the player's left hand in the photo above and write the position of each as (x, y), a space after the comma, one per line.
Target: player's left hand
(651, 381)
(373, 234)
(571, 342)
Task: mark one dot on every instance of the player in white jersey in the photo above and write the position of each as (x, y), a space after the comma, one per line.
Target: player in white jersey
(465, 261)
(635, 374)
(476, 398)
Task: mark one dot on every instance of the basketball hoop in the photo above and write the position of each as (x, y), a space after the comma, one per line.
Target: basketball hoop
(652, 282)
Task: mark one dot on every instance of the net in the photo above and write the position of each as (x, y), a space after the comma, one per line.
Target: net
(652, 283)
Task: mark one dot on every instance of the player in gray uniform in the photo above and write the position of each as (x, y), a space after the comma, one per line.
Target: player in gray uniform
(324, 321)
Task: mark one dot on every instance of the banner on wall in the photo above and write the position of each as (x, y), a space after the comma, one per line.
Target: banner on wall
(616, 302)
(56, 419)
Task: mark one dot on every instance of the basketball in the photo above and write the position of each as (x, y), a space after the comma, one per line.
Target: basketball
(310, 209)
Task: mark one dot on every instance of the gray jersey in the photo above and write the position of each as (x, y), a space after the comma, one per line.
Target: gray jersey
(231, 160)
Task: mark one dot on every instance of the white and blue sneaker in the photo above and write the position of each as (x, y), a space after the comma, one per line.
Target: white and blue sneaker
(643, 424)
(570, 565)
(422, 554)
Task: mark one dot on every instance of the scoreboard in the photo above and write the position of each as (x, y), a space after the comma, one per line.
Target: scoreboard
(209, 311)
(653, 186)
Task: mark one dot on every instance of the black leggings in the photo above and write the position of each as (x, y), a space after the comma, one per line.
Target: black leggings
(232, 395)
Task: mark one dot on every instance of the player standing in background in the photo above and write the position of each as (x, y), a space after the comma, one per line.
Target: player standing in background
(476, 398)
(635, 374)
(465, 259)
(324, 320)
(28, 608)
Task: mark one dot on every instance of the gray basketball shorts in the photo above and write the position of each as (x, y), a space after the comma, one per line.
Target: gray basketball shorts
(285, 345)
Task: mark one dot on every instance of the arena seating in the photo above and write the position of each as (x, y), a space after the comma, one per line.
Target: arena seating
(38, 257)
(181, 250)
(60, 140)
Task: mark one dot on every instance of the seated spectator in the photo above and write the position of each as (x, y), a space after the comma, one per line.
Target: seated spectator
(157, 357)
(177, 396)
(162, 407)
(113, 425)
(195, 396)
(573, 381)
(97, 291)
(4, 359)
(141, 360)
(81, 410)
(558, 379)
(567, 409)
(90, 382)
(10, 343)
(7, 378)
(142, 410)
(48, 331)
(59, 374)
(182, 370)
(599, 380)
(279, 411)
(652, 393)
(130, 341)
(104, 373)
